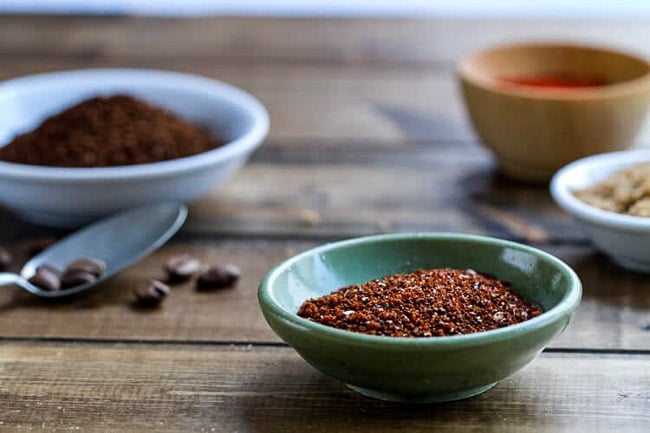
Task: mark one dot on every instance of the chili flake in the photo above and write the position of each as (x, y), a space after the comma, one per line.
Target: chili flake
(423, 303)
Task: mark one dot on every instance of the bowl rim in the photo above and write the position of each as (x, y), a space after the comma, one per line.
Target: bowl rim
(465, 73)
(243, 144)
(567, 304)
(561, 186)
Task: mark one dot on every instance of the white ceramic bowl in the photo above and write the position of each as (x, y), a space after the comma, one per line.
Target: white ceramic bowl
(624, 238)
(73, 196)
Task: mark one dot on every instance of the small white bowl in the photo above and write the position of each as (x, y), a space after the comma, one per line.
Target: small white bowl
(624, 238)
(72, 196)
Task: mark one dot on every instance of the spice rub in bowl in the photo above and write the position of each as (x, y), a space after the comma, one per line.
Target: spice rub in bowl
(626, 191)
(426, 369)
(424, 303)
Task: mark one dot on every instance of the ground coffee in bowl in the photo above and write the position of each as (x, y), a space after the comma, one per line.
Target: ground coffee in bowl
(108, 131)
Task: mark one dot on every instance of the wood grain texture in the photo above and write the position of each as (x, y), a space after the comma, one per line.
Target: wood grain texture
(342, 41)
(357, 147)
(368, 135)
(327, 194)
(93, 388)
(382, 80)
(410, 192)
(315, 102)
(613, 314)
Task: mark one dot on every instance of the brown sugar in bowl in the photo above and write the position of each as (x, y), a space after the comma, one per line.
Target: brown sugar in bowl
(535, 130)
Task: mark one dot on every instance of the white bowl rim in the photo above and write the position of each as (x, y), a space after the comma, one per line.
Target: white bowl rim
(243, 144)
(561, 186)
(568, 303)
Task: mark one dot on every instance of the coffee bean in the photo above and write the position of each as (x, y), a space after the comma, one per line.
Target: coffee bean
(87, 264)
(5, 259)
(152, 294)
(38, 245)
(218, 277)
(76, 278)
(47, 278)
(181, 268)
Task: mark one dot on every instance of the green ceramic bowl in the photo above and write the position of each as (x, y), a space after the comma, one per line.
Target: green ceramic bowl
(429, 369)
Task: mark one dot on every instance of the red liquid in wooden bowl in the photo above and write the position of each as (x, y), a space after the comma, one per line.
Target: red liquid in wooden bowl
(555, 82)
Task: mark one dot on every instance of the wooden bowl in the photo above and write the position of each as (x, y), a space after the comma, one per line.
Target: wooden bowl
(533, 130)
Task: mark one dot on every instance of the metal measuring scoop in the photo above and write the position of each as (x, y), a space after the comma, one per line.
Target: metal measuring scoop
(119, 240)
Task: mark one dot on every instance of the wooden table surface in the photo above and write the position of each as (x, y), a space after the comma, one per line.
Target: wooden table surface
(368, 136)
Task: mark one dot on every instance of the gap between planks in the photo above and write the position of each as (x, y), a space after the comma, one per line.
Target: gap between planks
(262, 344)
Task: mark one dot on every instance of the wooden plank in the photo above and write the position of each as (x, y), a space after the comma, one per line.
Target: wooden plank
(298, 193)
(613, 313)
(314, 102)
(133, 388)
(187, 314)
(422, 191)
(378, 42)
(313, 105)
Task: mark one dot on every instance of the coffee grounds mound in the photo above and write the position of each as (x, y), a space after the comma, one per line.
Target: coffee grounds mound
(424, 303)
(108, 131)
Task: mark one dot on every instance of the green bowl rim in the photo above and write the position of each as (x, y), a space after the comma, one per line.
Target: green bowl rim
(567, 304)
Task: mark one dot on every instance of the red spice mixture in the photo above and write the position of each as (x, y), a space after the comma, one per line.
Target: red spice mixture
(554, 81)
(110, 131)
(424, 303)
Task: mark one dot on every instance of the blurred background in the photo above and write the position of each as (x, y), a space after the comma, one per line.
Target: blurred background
(635, 9)
(369, 134)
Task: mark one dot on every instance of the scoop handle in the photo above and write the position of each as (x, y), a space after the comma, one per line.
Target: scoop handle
(7, 279)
